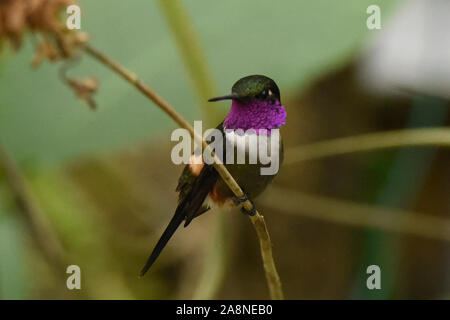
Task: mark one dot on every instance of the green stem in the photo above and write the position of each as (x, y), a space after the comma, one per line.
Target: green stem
(193, 56)
(357, 214)
(437, 137)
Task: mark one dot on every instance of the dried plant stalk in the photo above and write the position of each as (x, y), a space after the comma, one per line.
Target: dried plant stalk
(257, 220)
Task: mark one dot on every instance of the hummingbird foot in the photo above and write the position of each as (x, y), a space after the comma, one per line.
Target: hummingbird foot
(248, 212)
(239, 200)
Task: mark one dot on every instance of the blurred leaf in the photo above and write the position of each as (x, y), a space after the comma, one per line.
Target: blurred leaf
(291, 41)
(13, 280)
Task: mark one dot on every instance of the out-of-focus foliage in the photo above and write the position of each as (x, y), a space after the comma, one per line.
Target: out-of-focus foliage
(13, 278)
(292, 41)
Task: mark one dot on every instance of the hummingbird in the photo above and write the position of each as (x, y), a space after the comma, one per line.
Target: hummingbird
(255, 104)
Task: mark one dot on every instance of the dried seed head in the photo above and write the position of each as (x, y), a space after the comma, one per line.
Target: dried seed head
(84, 89)
(40, 17)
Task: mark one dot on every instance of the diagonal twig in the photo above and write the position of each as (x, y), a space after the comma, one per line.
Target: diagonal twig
(272, 277)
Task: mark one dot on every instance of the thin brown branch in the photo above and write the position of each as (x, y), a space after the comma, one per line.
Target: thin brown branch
(257, 220)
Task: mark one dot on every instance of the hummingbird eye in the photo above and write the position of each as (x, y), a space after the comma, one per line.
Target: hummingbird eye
(264, 94)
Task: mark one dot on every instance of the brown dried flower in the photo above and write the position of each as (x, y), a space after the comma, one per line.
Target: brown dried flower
(43, 17)
(84, 89)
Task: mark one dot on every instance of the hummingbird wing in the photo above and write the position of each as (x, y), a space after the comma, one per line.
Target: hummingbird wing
(186, 183)
(187, 179)
(193, 190)
(194, 193)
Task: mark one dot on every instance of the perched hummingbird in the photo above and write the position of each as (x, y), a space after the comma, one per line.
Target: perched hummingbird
(255, 105)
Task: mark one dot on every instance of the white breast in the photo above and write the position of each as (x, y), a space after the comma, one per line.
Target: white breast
(252, 142)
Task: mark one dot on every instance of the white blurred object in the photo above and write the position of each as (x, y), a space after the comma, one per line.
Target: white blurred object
(411, 53)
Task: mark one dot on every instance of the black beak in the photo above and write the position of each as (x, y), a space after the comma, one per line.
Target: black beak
(227, 97)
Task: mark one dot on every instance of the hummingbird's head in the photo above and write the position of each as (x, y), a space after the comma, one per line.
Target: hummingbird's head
(253, 87)
(256, 104)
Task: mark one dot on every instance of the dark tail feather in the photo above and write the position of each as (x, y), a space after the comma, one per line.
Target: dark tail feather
(177, 218)
(198, 213)
(187, 209)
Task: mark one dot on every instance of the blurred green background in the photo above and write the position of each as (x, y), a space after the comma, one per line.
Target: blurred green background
(293, 42)
(106, 184)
